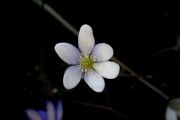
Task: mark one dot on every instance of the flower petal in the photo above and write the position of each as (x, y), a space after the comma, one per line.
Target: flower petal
(107, 69)
(68, 53)
(86, 39)
(33, 115)
(50, 111)
(170, 114)
(94, 81)
(72, 77)
(102, 52)
(42, 114)
(59, 111)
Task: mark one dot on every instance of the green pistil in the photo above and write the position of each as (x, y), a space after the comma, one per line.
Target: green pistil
(86, 63)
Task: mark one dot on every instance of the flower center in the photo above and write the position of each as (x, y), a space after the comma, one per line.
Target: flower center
(86, 63)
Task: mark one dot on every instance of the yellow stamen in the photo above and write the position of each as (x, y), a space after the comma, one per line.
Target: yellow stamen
(86, 63)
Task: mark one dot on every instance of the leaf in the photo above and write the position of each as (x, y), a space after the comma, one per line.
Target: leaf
(175, 104)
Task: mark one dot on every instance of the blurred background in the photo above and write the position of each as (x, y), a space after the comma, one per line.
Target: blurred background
(144, 36)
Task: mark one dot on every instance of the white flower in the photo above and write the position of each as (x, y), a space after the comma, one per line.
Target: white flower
(52, 112)
(90, 61)
(173, 110)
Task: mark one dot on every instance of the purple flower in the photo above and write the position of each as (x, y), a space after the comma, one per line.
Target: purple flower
(52, 112)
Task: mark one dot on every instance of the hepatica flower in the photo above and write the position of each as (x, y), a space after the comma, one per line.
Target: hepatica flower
(89, 62)
(52, 112)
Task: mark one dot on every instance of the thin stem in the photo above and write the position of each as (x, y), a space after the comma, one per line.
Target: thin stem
(57, 16)
(141, 79)
(67, 25)
(175, 48)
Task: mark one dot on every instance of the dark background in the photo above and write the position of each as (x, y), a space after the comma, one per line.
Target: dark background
(136, 31)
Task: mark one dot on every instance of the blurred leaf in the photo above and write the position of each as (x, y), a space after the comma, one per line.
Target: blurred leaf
(175, 104)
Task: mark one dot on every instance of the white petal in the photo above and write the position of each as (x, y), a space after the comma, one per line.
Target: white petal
(170, 114)
(72, 77)
(59, 110)
(86, 39)
(94, 81)
(33, 115)
(102, 52)
(50, 111)
(109, 70)
(68, 53)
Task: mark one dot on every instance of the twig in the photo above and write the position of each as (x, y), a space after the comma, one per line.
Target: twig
(141, 79)
(175, 48)
(59, 18)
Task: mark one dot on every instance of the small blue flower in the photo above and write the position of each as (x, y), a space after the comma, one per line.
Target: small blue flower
(52, 112)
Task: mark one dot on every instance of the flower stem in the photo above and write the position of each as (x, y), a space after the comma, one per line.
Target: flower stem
(141, 79)
(57, 16)
(68, 26)
(174, 48)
